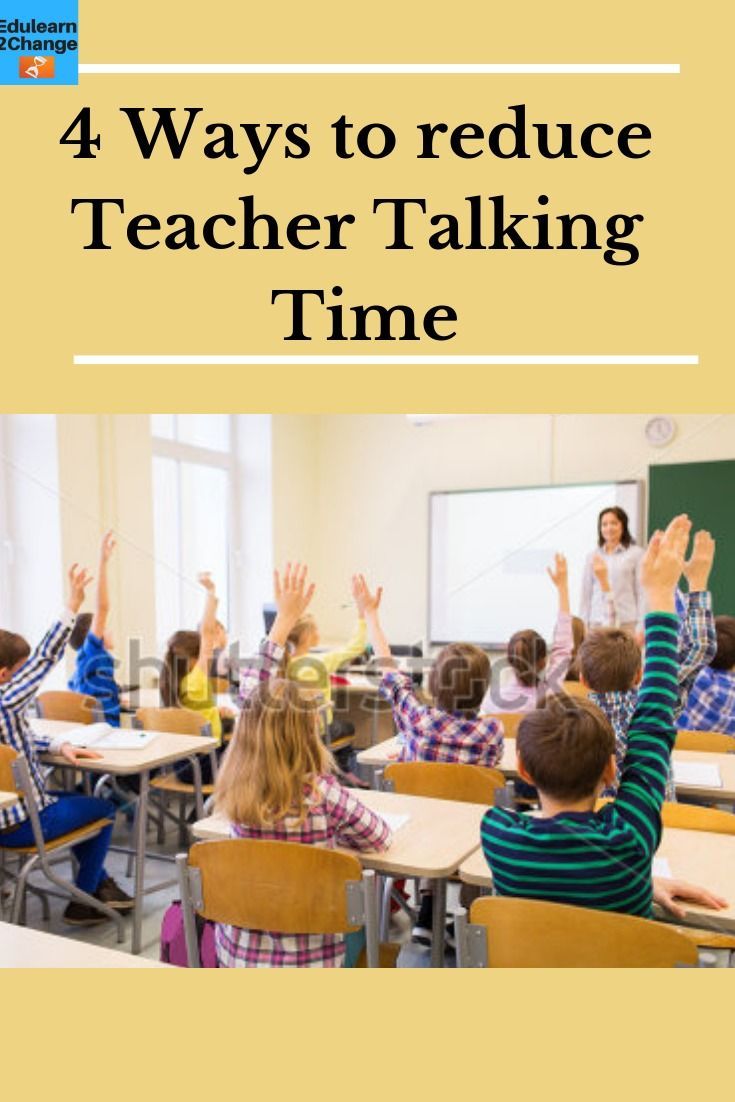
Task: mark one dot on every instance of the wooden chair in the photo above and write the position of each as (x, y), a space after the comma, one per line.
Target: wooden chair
(15, 777)
(472, 784)
(708, 742)
(527, 933)
(282, 887)
(693, 817)
(575, 688)
(510, 721)
(69, 707)
(178, 721)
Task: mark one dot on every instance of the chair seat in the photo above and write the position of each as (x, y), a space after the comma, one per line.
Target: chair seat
(171, 783)
(69, 839)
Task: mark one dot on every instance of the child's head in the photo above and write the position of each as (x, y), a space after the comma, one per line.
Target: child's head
(181, 655)
(303, 636)
(566, 749)
(724, 659)
(14, 650)
(459, 678)
(80, 631)
(609, 660)
(275, 755)
(527, 656)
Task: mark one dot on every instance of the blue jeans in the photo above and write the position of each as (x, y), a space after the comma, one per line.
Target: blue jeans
(69, 813)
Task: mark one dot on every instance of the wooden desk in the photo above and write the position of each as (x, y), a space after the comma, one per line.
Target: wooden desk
(693, 855)
(385, 752)
(7, 799)
(437, 837)
(24, 948)
(164, 749)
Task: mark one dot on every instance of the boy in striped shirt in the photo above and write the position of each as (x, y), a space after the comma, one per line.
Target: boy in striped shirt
(572, 853)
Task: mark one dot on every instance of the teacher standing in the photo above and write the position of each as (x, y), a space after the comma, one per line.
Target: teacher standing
(612, 594)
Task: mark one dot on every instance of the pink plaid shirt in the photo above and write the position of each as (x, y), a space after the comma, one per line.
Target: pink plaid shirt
(430, 734)
(335, 817)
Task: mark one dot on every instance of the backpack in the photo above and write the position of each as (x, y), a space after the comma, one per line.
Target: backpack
(173, 939)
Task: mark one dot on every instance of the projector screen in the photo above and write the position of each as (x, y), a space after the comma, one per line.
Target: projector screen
(489, 549)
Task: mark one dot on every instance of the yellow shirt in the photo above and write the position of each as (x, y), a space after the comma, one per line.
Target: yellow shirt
(195, 692)
(313, 670)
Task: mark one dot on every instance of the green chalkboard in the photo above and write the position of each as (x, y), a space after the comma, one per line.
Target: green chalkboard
(706, 491)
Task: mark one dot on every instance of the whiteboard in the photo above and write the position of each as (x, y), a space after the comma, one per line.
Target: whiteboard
(489, 549)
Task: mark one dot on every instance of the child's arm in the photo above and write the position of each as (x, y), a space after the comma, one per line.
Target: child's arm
(599, 569)
(208, 630)
(585, 599)
(24, 685)
(562, 645)
(697, 636)
(356, 826)
(293, 597)
(332, 660)
(652, 732)
(395, 686)
(102, 608)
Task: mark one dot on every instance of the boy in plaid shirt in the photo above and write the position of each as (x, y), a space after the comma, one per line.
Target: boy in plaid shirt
(711, 704)
(610, 659)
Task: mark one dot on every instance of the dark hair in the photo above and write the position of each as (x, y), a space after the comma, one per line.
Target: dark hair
(12, 649)
(609, 660)
(183, 648)
(626, 539)
(459, 678)
(724, 659)
(526, 652)
(565, 747)
(579, 630)
(80, 631)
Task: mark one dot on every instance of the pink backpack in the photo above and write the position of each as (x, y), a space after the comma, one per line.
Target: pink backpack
(173, 939)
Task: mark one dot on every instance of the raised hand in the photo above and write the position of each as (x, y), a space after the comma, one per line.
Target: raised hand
(600, 571)
(79, 579)
(292, 593)
(558, 574)
(108, 545)
(367, 603)
(205, 580)
(699, 564)
(663, 563)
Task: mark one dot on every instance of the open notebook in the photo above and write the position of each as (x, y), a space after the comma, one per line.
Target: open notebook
(101, 736)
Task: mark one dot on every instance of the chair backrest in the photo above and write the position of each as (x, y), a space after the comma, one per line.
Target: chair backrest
(510, 721)
(174, 721)
(527, 933)
(7, 780)
(473, 784)
(575, 688)
(71, 707)
(709, 742)
(690, 817)
(284, 887)
(219, 685)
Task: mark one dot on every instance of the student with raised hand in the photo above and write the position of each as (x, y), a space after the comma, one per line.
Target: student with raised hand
(711, 703)
(572, 853)
(277, 782)
(610, 659)
(94, 673)
(21, 675)
(532, 671)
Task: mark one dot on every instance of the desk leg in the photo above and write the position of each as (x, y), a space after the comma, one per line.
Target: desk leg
(438, 923)
(140, 847)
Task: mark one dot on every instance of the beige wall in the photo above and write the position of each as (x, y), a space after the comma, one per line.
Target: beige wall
(352, 491)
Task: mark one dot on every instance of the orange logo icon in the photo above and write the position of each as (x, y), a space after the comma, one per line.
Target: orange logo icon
(35, 67)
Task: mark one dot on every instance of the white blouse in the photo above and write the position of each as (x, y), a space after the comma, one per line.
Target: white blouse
(624, 568)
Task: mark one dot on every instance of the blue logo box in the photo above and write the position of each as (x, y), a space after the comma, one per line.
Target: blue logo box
(39, 42)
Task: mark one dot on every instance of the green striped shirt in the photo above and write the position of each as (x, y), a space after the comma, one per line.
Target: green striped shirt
(603, 858)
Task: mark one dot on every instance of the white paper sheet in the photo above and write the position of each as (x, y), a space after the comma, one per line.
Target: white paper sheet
(395, 822)
(101, 736)
(661, 867)
(699, 774)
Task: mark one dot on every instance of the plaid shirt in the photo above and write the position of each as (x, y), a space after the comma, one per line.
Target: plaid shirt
(335, 817)
(430, 734)
(696, 647)
(711, 704)
(15, 697)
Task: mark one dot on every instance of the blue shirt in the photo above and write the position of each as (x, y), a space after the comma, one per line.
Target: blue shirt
(711, 705)
(95, 676)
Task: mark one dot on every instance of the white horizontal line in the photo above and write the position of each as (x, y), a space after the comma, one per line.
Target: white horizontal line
(328, 69)
(367, 361)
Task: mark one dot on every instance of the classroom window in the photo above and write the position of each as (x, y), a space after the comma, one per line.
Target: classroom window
(192, 494)
(199, 430)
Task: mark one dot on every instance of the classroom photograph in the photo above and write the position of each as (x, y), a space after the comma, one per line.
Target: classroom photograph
(367, 690)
